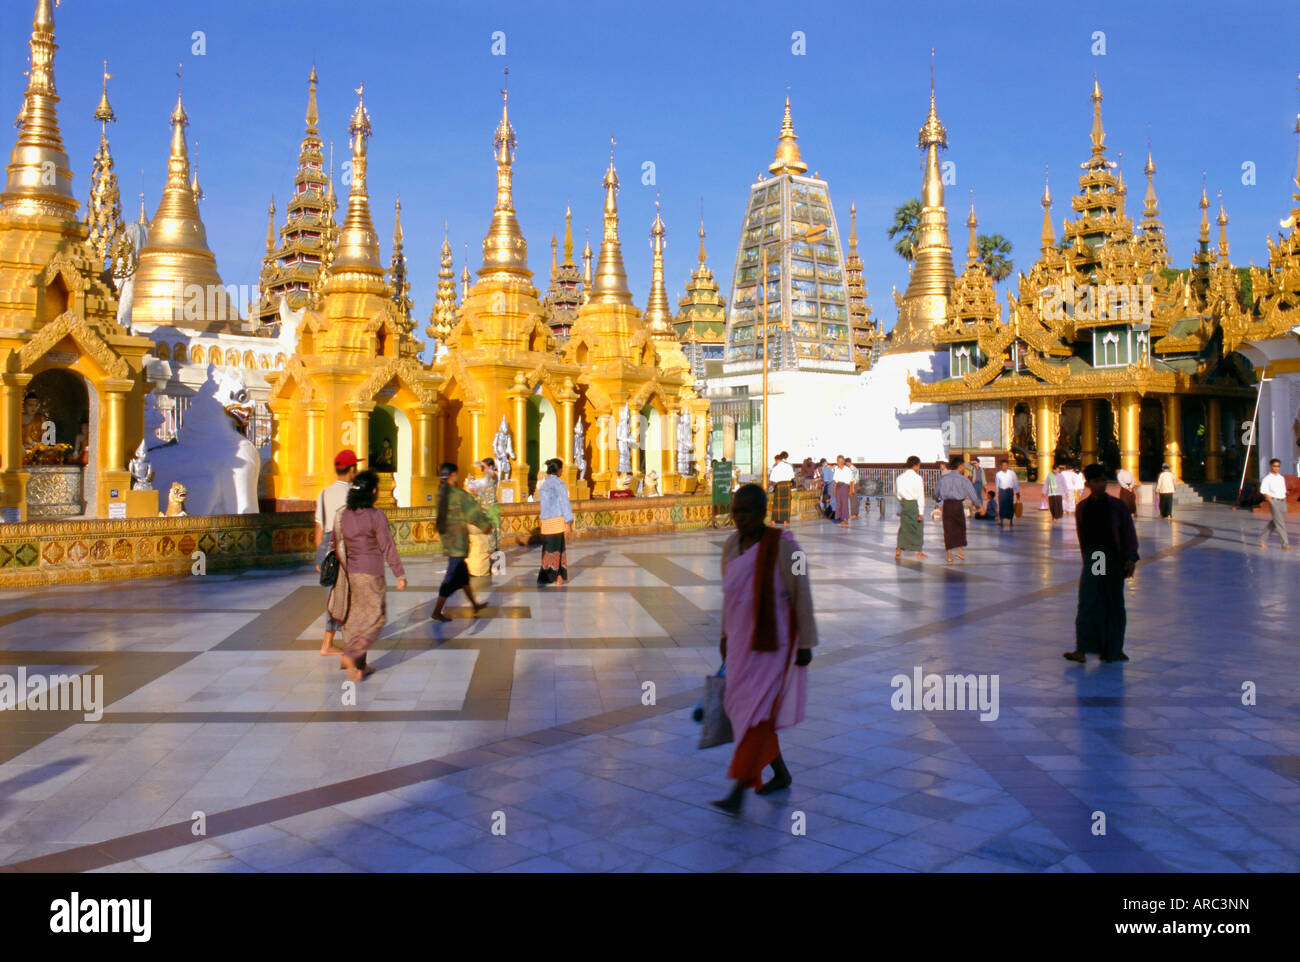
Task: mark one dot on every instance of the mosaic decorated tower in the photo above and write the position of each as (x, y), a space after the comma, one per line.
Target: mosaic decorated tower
(564, 296)
(701, 321)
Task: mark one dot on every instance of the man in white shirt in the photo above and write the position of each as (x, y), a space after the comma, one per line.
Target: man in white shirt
(331, 499)
(910, 490)
(782, 479)
(1008, 485)
(1127, 489)
(1165, 486)
(843, 480)
(1273, 488)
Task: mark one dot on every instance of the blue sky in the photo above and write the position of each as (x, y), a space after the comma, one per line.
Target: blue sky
(696, 88)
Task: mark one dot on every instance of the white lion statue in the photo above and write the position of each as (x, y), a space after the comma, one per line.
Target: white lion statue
(211, 457)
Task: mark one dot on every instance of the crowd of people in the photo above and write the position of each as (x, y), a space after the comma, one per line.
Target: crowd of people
(767, 630)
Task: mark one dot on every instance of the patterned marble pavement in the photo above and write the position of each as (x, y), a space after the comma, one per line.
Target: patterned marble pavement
(530, 718)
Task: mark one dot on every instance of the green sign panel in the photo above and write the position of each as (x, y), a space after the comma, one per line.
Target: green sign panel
(722, 483)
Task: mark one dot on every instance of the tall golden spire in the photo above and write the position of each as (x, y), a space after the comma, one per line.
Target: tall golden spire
(701, 255)
(504, 248)
(313, 115)
(1223, 231)
(443, 317)
(397, 274)
(1098, 131)
(38, 152)
(787, 159)
(1048, 238)
(555, 253)
(464, 276)
(925, 304)
(568, 235)
(610, 283)
(1205, 216)
(177, 279)
(658, 315)
(358, 244)
(1150, 206)
(270, 226)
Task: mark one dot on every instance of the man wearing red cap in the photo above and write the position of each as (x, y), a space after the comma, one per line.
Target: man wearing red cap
(330, 502)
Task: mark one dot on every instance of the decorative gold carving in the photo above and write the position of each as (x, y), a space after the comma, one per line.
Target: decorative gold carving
(92, 345)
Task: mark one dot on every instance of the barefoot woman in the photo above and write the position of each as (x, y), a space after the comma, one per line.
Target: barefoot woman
(457, 509)
(768, 634)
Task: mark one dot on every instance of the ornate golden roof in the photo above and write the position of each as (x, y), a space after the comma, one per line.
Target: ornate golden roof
(564, 296)
(38, 151)
(177, 281)
(787, 159)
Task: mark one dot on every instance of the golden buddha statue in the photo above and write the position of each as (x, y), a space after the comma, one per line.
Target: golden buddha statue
(33, 419)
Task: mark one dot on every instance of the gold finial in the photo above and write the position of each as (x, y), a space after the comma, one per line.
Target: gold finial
(658, 315)
(586, 268)
(933, 131)
(555, 252)
(610, 283)
(787, 159)
(972, 245)
(313, 116)
(143, 218)
(270, 226)
(1205, 212)
(1150, 206)
(504, 247)
(1048, 238)
(701, 254)
(1223, 230)
(195, 187)
(38, 151)
(568, 235)
(853, 227)
(104, 112)
(464, 275)
(398, 236)
(443, 317)
(1098, 132)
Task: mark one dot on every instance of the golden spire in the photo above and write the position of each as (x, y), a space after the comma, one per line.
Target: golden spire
(568, 235)
(586, 268)
(143, 219)
(972, 245)
(177, 272)
(104, 211)
(1048, 237)
(853, 229)
(464, 276)
(504, 248)
(610, 283)
(1205, 215)
(1150, 207)
(443, 317)
(397, 272)
(787, 159)
(313, 116)
(195, 188)
(658, 315)
(1098, 132)
(555, 255)
(270, 226)
(1223, 231)
(925, 304)
(358, 244)
(38, 151)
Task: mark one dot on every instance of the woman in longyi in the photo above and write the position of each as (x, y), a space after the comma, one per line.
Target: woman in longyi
(768, 633)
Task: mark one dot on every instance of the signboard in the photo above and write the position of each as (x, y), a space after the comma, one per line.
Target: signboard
(116, 510)
(620, 493)
(722, 483)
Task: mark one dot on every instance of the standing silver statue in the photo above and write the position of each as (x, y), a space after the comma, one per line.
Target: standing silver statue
(623, 433)
(503, 450)
(684, 444)
(141, 470)
(579, 448)
(708, 447)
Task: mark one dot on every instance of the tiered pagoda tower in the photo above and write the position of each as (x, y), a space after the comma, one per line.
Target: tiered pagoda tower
(108, 235)
(565, 295)
(443, 316)
(59, 335)
(701, 321)
(1105, 345)
(867, 337)
(292, 268)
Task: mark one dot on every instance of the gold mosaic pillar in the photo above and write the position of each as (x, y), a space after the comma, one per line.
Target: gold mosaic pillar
(1088, 432)
(1046, 419)
(113, 475)
(318, 473)
(13, 479)
(1213, 443)
(423, 474)
(1130, 407)
(568, 399)
(604, 438)
(360, 420)
(670, 481)
(1173, 409)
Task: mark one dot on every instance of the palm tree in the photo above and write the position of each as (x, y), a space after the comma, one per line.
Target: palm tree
(995, 252)
(907, 224)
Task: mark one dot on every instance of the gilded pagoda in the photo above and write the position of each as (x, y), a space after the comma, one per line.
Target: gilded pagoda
(701, 322)
(1108, 353)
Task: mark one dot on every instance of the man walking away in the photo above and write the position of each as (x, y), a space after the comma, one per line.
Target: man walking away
(1165, 485)
(952, 490)
(1008, 486)
(330, 502)
(1273, 488)
(1109, 545)
(1127, 489)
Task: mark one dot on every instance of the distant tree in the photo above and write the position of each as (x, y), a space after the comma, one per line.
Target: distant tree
(907, 225)
(995, 252)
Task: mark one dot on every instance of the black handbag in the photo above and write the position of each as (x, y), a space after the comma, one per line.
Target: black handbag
(329, 566)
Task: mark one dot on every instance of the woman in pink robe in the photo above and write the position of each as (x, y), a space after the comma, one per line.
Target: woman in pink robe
(768, 633)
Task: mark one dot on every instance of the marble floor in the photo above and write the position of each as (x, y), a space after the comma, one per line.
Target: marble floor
(521, 740)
